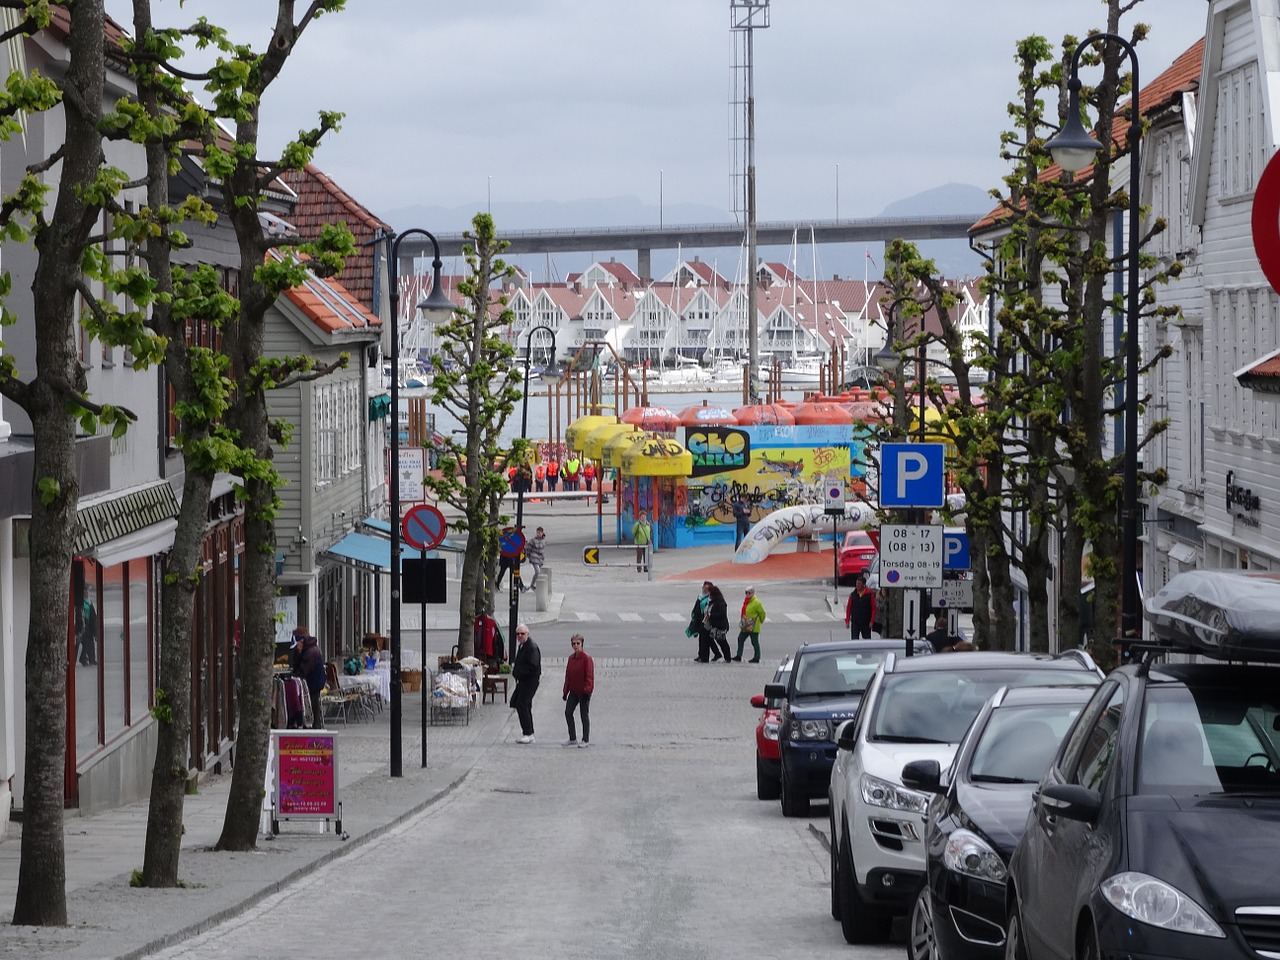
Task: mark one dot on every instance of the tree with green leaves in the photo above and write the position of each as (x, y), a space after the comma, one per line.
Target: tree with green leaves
(165, 119)
(270, 263)
(476, 381)
(1051, 276)
(70, 236)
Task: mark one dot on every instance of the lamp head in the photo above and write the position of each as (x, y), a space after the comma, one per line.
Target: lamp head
(1073, 148)
(437, 307)
(887, 358)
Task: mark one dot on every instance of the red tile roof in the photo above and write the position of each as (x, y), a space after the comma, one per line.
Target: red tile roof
(1183, 74)
(330, 306)
(322, 202)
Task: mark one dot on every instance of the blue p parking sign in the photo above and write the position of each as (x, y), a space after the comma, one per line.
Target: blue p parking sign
(913, 475)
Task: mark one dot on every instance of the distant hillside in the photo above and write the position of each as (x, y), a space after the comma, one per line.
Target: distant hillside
(953, 257)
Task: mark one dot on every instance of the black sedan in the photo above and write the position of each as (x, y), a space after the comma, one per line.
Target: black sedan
(977, 815)
(1156, 830)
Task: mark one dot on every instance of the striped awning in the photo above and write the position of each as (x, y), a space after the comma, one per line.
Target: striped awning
(121, 515)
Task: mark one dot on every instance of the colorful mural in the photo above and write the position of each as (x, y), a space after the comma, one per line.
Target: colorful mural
(771, 465)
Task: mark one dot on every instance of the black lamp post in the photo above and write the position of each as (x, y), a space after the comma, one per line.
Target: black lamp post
(888, 358)
(437, 303)
(1074, 149)
(513, 608)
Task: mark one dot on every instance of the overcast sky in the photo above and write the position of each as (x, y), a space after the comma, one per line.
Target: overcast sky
(479, 102)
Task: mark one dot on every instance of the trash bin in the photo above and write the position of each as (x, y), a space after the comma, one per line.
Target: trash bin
(542, 590)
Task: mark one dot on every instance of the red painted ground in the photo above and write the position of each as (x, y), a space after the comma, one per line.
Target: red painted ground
(783, 565)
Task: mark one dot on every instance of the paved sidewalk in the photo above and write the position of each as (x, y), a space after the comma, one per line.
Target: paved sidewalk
(109, 919)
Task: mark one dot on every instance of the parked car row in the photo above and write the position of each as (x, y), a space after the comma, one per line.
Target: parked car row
(1026, 807)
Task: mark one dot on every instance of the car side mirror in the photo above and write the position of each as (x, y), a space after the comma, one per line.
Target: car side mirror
(775, 691)
(923, 775)
(758, 700)
(847, 735)
(1071, 801)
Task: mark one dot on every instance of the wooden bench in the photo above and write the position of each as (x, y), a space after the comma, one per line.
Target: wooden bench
(489, 687)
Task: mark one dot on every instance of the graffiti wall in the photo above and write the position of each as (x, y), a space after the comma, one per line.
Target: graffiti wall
(772, 466)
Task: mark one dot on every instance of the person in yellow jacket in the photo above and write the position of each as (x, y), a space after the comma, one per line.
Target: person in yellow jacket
(749, 624)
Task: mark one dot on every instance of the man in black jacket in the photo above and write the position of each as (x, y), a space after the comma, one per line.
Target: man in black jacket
(526, 670)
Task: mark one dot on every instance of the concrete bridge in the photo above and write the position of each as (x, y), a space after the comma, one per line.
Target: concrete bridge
(697, 236)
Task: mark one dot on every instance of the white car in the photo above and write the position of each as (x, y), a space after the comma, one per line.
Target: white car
(915, 708)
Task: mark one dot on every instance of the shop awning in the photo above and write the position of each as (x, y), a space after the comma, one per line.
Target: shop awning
(367, 553)
(657, 457)
(121, 514)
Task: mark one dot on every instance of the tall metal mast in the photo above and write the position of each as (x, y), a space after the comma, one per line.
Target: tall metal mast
(745, 17)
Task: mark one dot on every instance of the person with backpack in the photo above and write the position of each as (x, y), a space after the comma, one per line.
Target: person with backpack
(749, 621)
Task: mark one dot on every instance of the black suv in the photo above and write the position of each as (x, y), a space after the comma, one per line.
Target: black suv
(1155, 831)
(825, 687)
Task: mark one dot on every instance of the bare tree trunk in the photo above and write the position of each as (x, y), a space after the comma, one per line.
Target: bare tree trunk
(41, 896)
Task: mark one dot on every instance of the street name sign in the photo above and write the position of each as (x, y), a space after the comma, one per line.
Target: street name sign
(910, 555)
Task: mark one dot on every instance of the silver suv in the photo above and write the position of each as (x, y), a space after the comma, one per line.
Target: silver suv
(914, 708)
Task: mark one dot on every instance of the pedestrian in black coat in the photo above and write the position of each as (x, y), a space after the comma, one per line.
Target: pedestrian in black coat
(526, 670)
(718, 620)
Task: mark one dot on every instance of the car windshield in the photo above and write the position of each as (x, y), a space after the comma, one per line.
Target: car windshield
(1210, 740)
(837, 672)
(1018, 743)
(938, 706)
(856, 539)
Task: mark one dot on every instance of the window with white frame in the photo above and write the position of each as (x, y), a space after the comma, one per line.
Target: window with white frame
(337, 429)
(1240, 150)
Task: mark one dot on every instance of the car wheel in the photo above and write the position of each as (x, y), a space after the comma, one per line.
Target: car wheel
(1087, 945)
(792, 805)
(835, 861)
(766, 783)
(922, 936)
(859, 922)
(1014, 948)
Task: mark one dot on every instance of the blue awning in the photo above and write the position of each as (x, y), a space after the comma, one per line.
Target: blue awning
(368, 553)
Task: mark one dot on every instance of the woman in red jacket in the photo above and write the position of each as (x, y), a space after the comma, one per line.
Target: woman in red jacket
(579, 681)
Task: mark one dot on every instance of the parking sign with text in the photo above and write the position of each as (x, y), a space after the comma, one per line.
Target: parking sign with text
(910, 555)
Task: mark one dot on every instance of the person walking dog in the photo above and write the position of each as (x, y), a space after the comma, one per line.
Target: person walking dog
(579, 683)
(749, 622)
(526, 670)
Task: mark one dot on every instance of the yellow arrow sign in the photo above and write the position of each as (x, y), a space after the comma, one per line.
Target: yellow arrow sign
(590, 555)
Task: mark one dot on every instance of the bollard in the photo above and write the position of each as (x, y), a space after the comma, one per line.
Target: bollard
(542, 590)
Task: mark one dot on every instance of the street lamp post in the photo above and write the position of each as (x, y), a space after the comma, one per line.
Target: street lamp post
(437, 303)
(1074, 149)
(513, 610)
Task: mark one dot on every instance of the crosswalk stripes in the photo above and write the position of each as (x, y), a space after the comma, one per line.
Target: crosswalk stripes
(668, 616)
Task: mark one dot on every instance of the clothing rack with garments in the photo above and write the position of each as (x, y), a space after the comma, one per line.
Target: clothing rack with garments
(290, 704)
